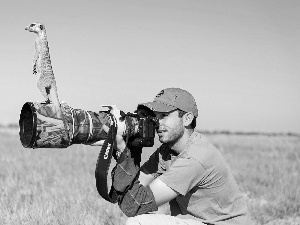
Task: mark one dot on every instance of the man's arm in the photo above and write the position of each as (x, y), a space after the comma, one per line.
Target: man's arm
(162, 193)
(138, 192)
(135, 197)
(145, 179)
(132, 197)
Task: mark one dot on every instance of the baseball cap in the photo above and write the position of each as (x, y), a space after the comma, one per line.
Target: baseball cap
(170, 99)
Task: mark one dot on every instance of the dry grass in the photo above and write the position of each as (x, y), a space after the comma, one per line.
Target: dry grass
(57, 186)
(267, 170)
(51, 186)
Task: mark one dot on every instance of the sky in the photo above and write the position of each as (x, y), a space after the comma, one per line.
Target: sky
(238, 58)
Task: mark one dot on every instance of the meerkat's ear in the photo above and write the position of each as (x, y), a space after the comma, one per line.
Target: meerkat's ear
(41, 27)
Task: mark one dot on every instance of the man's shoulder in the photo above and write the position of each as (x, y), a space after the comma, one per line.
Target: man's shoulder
(203, 151)
(200, 144)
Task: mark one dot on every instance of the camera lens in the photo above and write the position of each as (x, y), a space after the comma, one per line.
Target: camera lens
(27, 124)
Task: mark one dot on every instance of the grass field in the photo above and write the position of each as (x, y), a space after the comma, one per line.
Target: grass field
(57, 186)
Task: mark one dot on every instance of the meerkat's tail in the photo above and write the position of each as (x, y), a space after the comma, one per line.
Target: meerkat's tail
(53, 93)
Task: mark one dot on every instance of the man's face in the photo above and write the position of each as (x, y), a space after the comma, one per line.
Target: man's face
(170, 128)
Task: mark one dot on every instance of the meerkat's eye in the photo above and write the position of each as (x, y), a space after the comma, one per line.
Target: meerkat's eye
(32, 25)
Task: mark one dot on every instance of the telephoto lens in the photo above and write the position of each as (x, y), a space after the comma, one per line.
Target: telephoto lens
(41, 126)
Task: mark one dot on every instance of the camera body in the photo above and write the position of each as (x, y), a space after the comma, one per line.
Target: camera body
(41, 126)
(146, 133)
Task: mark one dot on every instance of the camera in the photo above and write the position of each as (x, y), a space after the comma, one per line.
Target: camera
(46, 125)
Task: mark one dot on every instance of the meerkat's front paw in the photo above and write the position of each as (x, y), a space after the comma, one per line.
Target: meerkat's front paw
(34, 69)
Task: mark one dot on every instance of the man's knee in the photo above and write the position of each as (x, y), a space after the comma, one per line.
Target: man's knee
(132, 221)
(144, 219)
(155, 219)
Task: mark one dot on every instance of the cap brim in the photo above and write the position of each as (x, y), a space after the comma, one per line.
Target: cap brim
(158, 106)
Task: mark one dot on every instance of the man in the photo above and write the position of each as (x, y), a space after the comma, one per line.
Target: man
(186, 171)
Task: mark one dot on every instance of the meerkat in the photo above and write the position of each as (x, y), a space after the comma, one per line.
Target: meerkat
(42, 67)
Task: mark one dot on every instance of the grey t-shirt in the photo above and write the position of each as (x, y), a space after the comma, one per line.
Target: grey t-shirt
(202, 178)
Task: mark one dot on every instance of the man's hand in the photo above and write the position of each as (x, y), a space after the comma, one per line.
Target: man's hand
(120, 144)
(121, 128)
(117, 114)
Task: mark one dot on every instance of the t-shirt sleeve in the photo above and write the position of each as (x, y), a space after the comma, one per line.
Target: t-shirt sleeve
(183, 175)
(153, 165)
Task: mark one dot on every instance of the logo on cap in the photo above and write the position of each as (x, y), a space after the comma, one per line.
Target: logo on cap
(160, 94)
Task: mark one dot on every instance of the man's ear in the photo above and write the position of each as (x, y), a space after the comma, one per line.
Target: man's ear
(188, 119)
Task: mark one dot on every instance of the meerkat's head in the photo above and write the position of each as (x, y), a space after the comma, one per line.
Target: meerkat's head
(36, 28)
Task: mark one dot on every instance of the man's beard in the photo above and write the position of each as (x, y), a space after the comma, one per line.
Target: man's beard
(170, 135)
